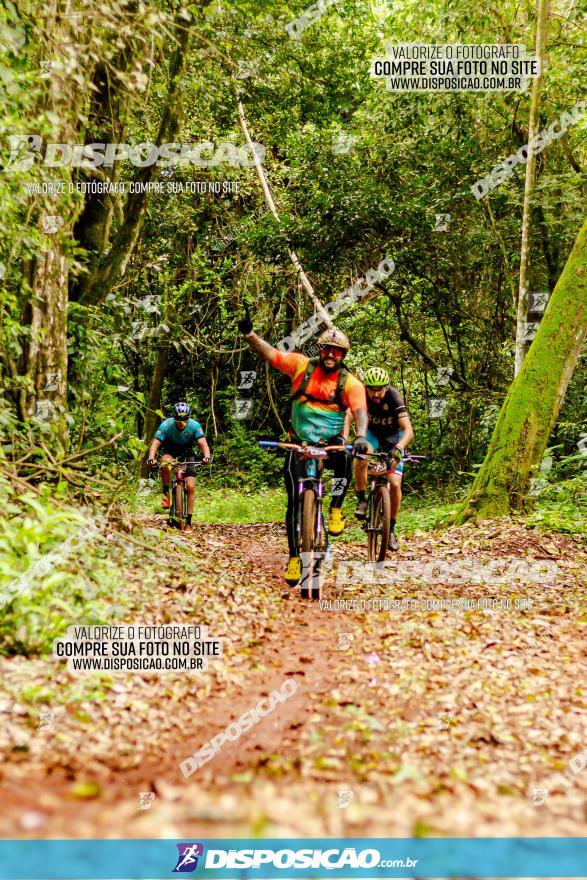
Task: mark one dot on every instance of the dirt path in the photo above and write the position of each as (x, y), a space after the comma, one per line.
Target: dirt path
(436, 722)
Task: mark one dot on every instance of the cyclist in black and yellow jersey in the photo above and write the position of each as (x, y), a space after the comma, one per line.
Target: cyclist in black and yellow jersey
(390, 429)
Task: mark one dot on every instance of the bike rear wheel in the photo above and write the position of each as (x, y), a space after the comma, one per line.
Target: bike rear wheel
(380, 526)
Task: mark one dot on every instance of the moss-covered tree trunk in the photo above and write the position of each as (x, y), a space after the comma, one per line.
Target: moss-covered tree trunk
(533, 127)
(533, 401)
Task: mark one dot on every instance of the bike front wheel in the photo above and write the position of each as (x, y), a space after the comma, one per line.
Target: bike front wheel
(380, 524)
(177, 511)
(312, 554)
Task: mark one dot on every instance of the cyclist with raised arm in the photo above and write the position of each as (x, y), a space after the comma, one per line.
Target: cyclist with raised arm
(390, 429)
(175, 437)
(322, 390)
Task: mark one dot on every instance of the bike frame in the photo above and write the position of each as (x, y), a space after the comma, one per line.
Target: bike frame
(313, 479)
(379, 477)
(314, 456)
(178, 477)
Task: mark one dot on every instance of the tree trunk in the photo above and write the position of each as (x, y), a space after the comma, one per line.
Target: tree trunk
(522, 309)
(95, 287)
(46, 361)
(107, 124)
(534, 399)
(154, 402)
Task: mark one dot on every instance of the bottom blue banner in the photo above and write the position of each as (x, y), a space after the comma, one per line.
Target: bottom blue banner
(286, 858)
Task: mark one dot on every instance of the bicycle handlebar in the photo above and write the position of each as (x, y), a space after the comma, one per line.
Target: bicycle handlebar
(407, 457)
(169, 463)
(311, 450)
(315, 450)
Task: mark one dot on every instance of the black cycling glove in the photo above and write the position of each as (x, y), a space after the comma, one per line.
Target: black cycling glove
(361, 446)
(245, 325)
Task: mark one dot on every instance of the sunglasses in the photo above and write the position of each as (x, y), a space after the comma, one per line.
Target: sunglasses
(331, 349)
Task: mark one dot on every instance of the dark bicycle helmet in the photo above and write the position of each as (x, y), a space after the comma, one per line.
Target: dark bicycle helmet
(182, 411)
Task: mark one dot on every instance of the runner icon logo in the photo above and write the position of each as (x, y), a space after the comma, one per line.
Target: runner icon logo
(344, 641)
(344, 799)
(539, 796)
(146, 799)
(188, 854)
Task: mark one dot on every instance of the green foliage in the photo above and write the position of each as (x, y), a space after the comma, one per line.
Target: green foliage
(50, 575)
(201, 257)
(562, 507)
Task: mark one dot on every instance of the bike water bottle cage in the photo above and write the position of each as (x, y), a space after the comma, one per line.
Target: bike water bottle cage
(338, 394)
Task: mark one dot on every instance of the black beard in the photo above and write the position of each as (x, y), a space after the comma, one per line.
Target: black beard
(329, 369)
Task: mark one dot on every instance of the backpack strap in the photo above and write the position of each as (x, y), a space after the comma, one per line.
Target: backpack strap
(338, 394)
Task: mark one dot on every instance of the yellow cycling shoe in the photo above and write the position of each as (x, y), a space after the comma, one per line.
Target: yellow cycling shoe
(293, 572)
(336, 524)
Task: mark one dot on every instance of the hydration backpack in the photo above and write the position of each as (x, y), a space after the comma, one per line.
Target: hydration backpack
(336, 400)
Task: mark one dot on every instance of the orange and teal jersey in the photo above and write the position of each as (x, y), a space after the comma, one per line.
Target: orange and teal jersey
(314, 420)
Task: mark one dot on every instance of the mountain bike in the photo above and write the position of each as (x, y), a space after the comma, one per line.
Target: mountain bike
(377, 523)
(310, 530)
(178, 509)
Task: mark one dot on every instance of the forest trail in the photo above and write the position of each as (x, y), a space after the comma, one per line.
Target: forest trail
(437, 722)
